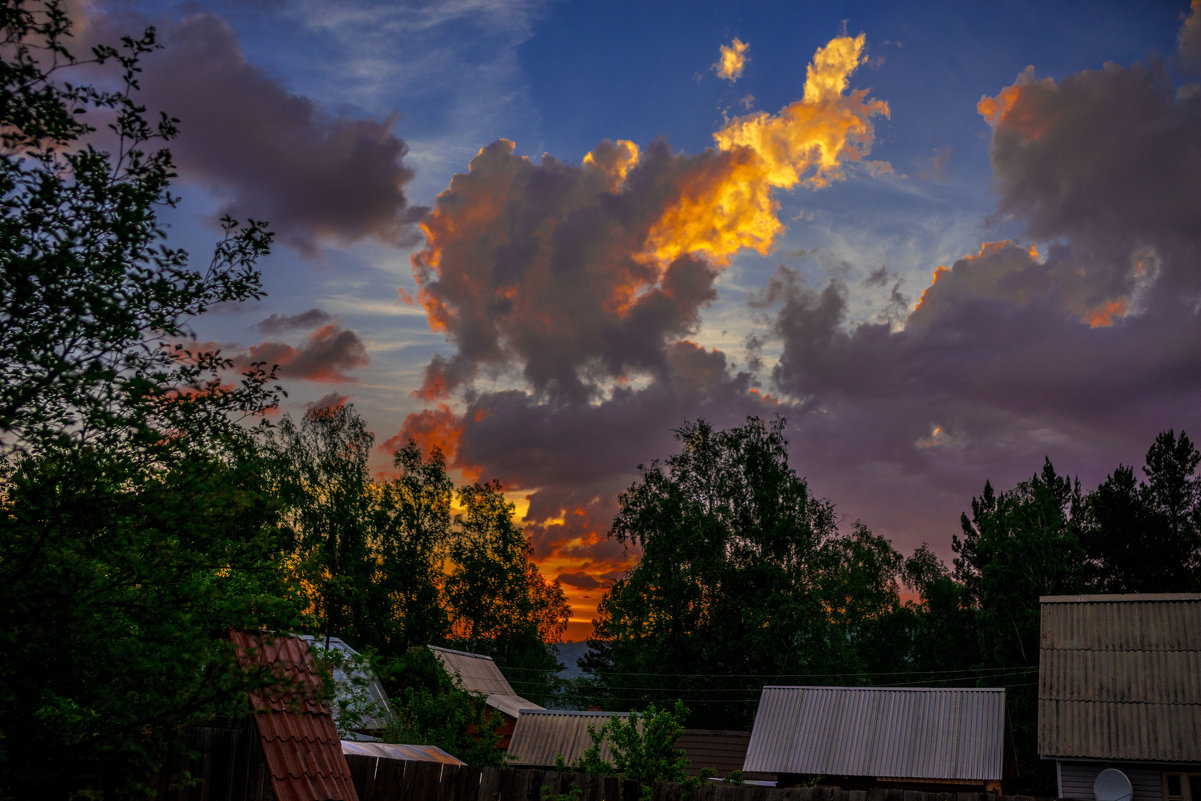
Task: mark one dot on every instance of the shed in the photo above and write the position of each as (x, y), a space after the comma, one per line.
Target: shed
(861, 737)
(543, 735)
(480, 674)
(1120, 687)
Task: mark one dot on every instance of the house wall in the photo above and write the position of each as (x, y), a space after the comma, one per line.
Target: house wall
(1076, 778)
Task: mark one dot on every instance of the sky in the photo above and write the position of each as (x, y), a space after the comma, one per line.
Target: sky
(945, 241)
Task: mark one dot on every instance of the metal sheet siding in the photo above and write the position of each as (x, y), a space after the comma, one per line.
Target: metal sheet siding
(1120, 677)
(1077, 780)
(954, 734)
(542, 735)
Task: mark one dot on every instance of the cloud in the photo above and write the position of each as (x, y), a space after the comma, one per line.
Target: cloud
(1078, 349)
(1189, 38)
(278, 323)
(326, 356)
(331, 401)
(579, 276)
(732, 61)
(266, 152)
(579, 580)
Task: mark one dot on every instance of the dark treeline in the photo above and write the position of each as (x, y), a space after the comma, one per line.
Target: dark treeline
(745, 580)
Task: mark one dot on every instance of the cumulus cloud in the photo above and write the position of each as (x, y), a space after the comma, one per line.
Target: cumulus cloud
(732, 61)
(578, 276)
(327, 355)
(1081, 351)
(266, 152)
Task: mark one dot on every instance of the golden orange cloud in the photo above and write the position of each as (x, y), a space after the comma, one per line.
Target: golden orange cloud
(1015, 108)
(732, 61)
(726, 204)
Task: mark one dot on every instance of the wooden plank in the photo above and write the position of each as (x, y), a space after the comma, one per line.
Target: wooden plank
(362, 775)
(489, 784)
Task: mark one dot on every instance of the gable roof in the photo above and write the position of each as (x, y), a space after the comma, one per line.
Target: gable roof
(544, 734)
(296, 728)
(912, 733)
(479, 674)
(346, 687)
(1120, 677)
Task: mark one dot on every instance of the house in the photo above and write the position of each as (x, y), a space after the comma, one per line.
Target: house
(542, 736)
(479, 674)
(361, 707)
(940, 740)
(1119, 692)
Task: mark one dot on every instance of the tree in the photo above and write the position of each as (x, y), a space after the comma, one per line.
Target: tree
(1146, 536)
(134, 523)
(323, 477)
(729, 576)
(498, 600)
(642, 747)
(432, 708)
(1017, 546)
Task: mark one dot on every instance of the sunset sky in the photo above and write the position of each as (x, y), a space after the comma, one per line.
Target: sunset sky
(943, 240)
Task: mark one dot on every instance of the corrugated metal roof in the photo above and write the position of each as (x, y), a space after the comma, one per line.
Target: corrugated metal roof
(300, 742)
(347, 685)
(478, 673)
(911, 733)
(408, 753)
(1120, 677)
(542, 735)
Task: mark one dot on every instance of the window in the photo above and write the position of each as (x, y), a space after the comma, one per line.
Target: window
(1182, 786)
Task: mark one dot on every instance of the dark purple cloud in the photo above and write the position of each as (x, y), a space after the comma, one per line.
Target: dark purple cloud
(278, 323)
(327, 355)
(268, 153)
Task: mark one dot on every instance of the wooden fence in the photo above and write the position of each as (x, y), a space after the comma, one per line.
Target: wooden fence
(378, 779)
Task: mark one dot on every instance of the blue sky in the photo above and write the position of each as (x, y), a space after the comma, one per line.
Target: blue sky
(343, 124)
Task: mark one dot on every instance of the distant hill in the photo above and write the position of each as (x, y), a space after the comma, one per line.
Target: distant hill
(569, 654)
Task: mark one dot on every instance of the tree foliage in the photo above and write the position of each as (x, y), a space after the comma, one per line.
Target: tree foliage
(742, 572)
(386, 565)
(134, 523)
(642, 746)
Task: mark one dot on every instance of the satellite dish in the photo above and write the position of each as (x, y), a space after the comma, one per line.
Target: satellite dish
(1112, 785)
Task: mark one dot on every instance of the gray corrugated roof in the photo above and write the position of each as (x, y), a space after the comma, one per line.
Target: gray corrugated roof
(916, 733)
(479, 674)
(354, 689)
(1120, 677)
(542, 735)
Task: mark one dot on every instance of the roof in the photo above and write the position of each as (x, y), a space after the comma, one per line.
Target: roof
(542, 735)
(1120, 677)
(479, 674)
(910, 733)
(407, 753)
(372, 700)
(300, 743)
(722, 750)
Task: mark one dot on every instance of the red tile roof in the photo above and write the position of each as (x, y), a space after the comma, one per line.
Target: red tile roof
(301, 746)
